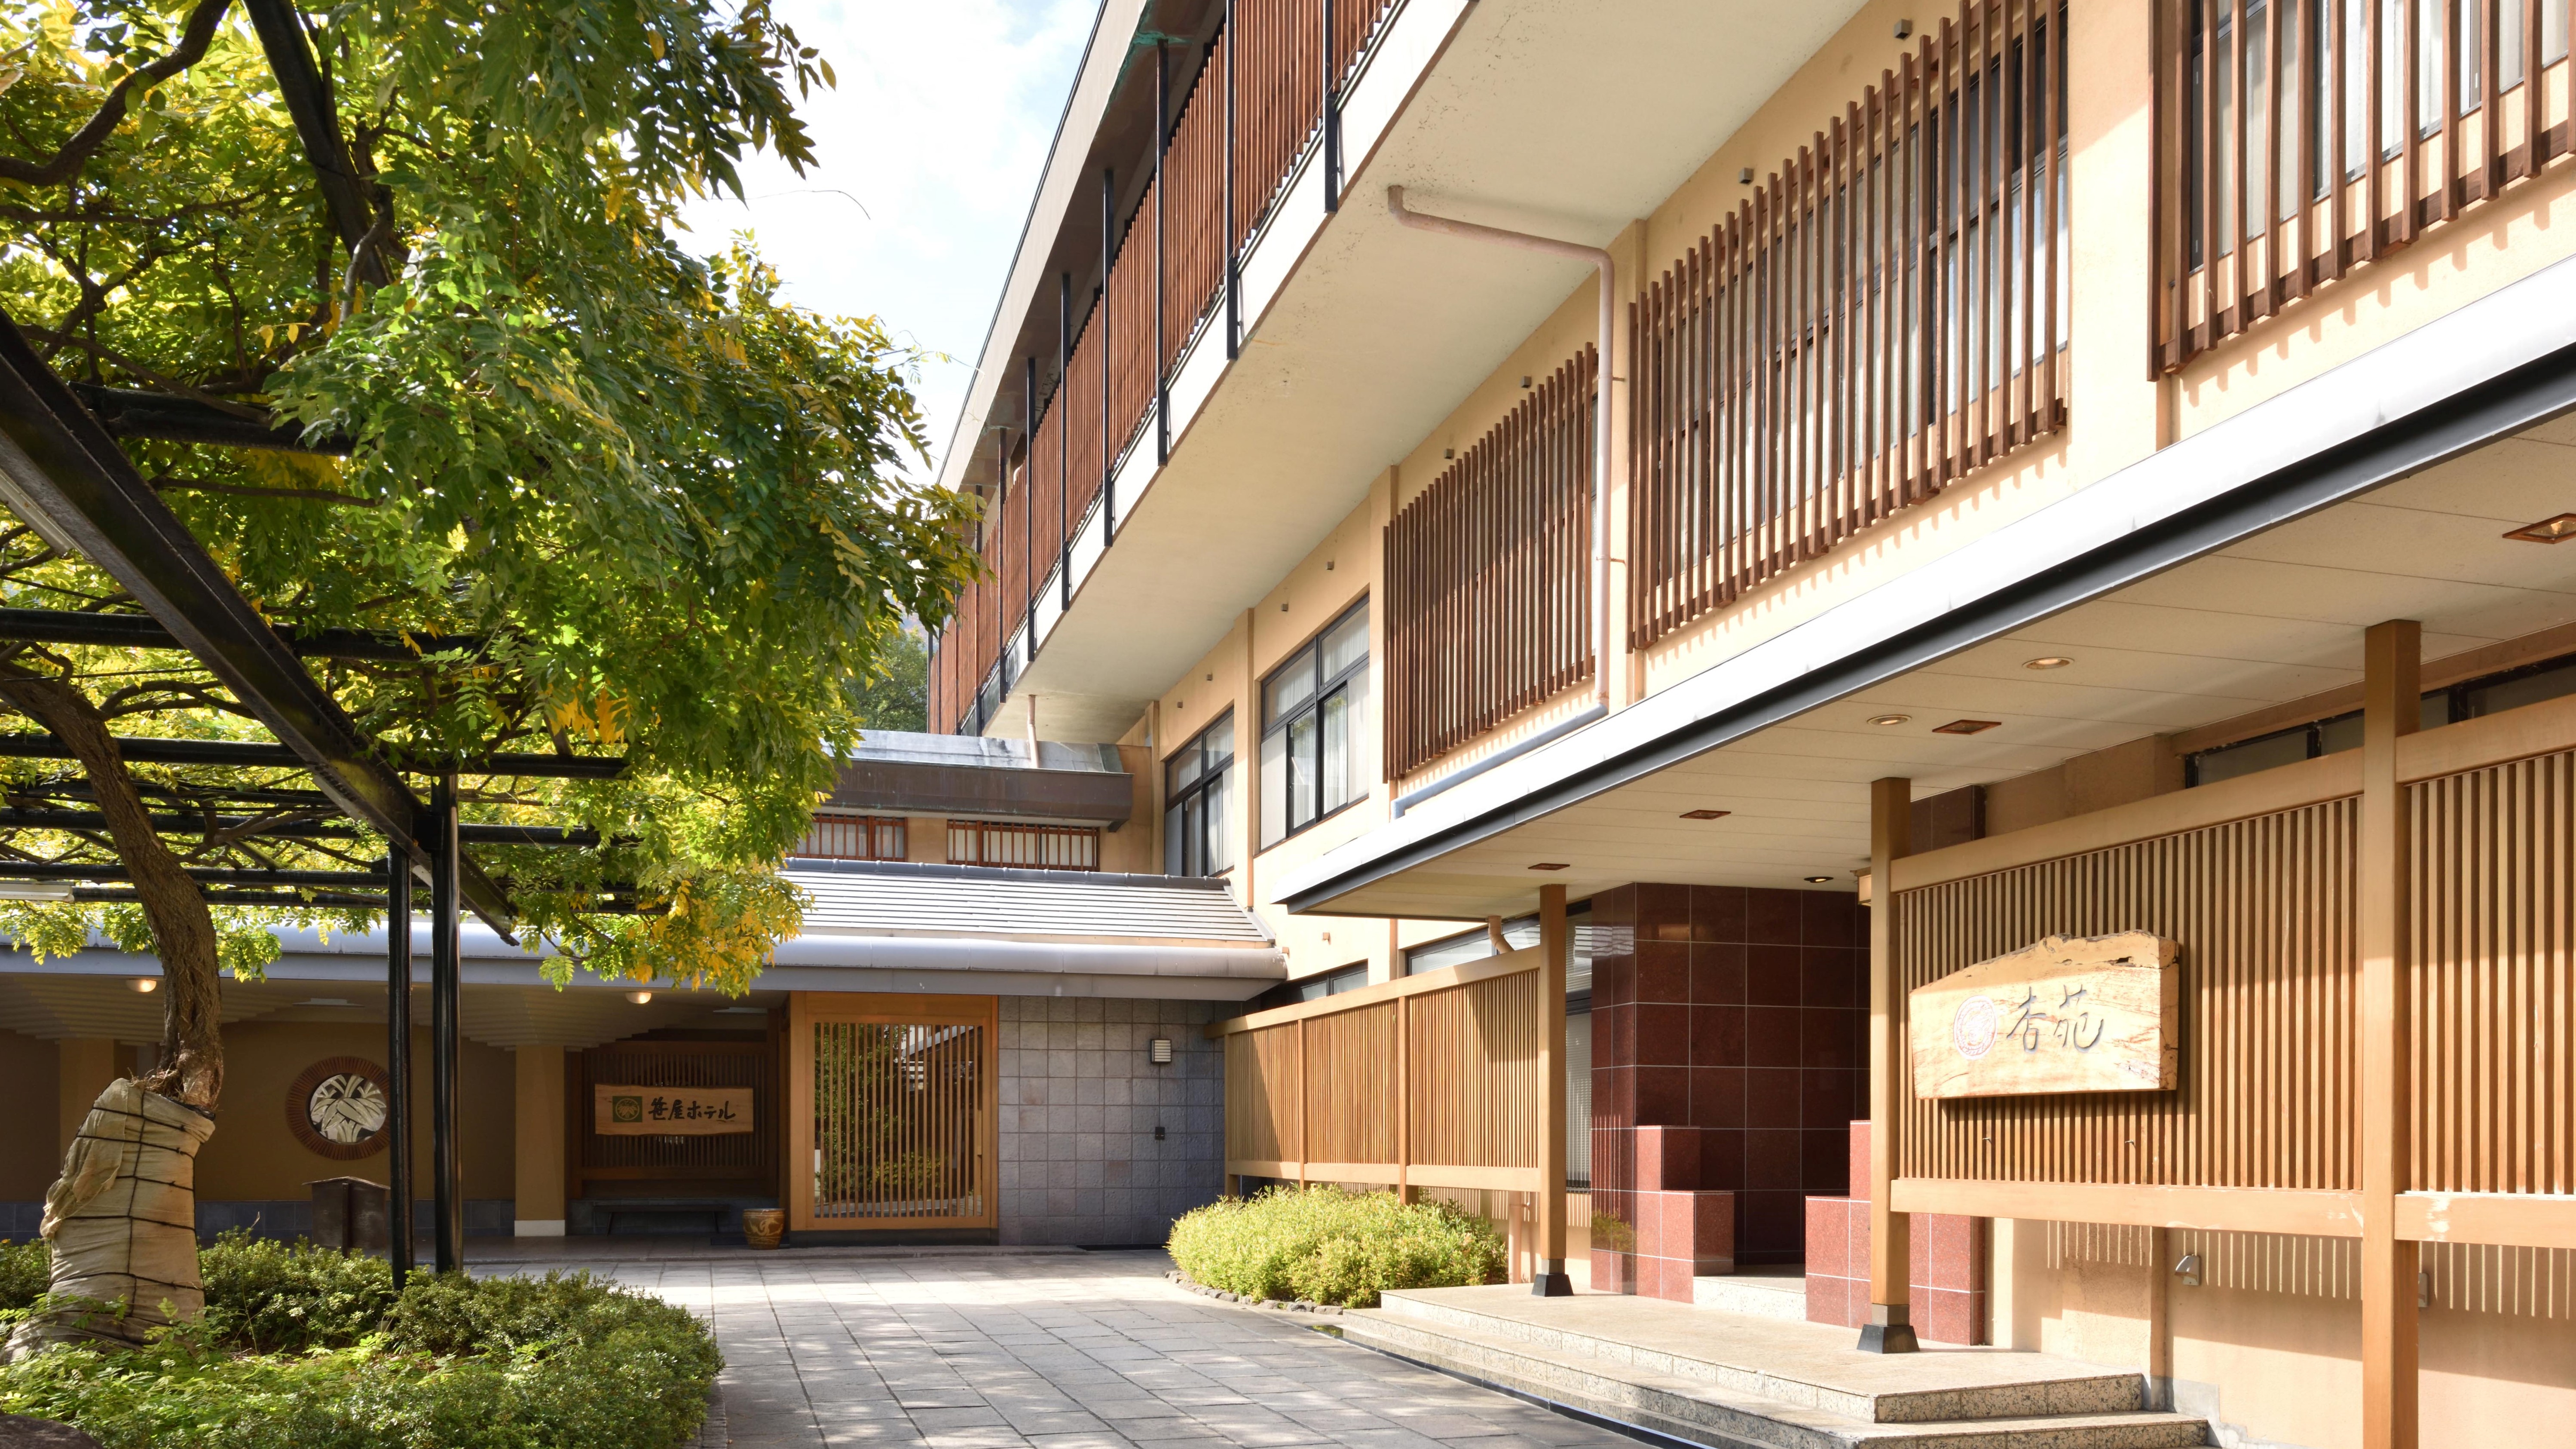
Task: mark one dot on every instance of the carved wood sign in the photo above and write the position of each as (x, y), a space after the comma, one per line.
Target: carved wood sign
(2070, 1014)
(670, 1111)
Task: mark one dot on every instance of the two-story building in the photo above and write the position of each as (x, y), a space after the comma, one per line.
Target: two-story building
(1853, 493)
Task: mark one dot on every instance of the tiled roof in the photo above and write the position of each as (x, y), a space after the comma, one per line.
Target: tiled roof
(889, 898)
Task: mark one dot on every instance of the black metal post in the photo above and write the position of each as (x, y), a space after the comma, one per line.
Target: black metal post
(398, 1058)
(1162, 143)
(1225, 229)
(1330, 122)
(445, 1164)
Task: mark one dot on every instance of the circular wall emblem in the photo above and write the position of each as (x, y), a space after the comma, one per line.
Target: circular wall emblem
(338, 1108)
(1972, 1029)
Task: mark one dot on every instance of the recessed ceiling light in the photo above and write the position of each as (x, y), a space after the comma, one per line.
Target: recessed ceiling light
(1820, 880)
(1706, 814)
(1549, 865)
(1889, 719)
(1966, 727)
(2047, 661)
(2547, 530)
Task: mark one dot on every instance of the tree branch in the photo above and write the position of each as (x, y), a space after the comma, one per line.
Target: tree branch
(75, 154)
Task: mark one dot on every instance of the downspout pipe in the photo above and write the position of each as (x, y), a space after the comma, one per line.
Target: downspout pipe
(1601, 261)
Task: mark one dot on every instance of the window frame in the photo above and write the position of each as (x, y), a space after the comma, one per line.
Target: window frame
(868, 827)
(1207, 780)
(1311, 654)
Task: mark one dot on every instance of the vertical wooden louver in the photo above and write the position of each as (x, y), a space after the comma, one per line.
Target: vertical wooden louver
(1489, 607)
(1882, 315)
(1250, 100)
(895, 1096)
(2285, 156)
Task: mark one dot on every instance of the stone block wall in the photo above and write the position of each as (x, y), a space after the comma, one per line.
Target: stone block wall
(1743, 1013)
(1081, 1102)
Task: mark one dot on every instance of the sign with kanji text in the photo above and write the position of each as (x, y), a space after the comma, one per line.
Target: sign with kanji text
(669, 1111)
(2069, 1014)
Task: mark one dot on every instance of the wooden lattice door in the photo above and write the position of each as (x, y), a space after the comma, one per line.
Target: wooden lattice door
(892, 1106)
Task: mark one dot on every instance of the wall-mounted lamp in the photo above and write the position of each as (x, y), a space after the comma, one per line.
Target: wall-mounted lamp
(2187, 1271)
(1159, 1051)
(639, 997)
(145, 984)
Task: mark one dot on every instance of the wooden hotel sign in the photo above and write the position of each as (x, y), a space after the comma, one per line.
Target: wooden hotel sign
(2070, 1014)
(670, 1111)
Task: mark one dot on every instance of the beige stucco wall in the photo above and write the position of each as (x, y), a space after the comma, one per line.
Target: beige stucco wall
(253, 1156)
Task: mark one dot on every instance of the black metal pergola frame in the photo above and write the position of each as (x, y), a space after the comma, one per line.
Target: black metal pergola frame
(63, 474)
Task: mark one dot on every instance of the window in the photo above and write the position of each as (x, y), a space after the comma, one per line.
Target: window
(1313, 988)
(1032, 847)
(1196, 837)
(1310, 710)
(2468, 699)
(853, 837)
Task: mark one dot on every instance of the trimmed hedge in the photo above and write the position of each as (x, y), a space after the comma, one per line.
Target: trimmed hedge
(308, 1348)
(1330, 1245)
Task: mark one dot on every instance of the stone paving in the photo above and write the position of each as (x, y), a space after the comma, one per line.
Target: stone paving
(1066, 1350)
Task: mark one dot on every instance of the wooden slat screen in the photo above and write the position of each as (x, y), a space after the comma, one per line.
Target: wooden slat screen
(1883, 315)
(1041, 847)
(2265, 912)
(898, 1123)
(1432, 1080)
(749, 1157)
(2271, 113)
(2494, 1001)
(1489, 601)
(1261, 82)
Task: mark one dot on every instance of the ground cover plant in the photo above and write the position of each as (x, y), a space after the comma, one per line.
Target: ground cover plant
(1330, 1245)
(309, 1348)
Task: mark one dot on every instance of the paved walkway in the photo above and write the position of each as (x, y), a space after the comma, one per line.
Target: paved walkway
(1064, 1350)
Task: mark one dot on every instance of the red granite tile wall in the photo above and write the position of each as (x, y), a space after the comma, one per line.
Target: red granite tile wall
(1742, 1012)
(1947, 1255)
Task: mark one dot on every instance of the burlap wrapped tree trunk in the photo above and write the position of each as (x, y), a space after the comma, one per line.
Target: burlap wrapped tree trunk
(122, 1220)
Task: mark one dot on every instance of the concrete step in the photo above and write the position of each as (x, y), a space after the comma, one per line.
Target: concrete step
(1701, 1412)
(1755, 1292)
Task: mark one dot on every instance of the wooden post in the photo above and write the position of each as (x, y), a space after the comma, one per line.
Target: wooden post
(1305, 1091)
(1549, 1279)
(2391, 689)
(1405, 1191)
(1891, 819)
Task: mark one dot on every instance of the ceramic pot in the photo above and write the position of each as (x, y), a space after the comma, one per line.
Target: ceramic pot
(762, 1227)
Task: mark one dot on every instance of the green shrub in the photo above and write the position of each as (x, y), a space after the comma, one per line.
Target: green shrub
(1333, 1246)
(24, 1270)
(562, 1362)
(273, 1297)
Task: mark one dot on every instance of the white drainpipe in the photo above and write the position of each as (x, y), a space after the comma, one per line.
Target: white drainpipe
(1600, 260)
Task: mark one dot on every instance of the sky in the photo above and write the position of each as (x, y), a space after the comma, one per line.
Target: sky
(929, 151)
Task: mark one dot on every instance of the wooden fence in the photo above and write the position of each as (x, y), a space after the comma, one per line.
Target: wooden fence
(2261, 880)
(1434, 1080)
(1883, 314)
(2285, 153)
(1241, 114)
(1489, 604)
(744, 1162)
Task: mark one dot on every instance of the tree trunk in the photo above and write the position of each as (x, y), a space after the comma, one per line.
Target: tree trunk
(122, 1217)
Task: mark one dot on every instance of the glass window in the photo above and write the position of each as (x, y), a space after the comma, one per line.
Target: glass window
(1198, 776)
(1310, 712)
(853, 837)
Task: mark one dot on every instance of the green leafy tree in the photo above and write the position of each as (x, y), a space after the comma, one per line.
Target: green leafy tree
(621, 497)
(899, 697)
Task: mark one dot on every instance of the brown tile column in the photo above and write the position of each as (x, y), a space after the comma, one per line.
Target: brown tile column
(2390, 690)
(1887, 1329)
(1550, 1281)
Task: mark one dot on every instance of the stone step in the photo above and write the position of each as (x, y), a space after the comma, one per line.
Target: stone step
(1701, 1413)
(1756, 1293)
(1809, 1365)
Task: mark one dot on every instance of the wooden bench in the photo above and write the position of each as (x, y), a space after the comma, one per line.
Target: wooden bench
(613, 1208)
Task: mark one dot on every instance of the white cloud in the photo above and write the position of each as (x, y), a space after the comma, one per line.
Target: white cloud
(929, 153)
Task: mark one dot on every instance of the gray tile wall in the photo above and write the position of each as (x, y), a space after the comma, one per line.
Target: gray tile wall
(1080, 1102)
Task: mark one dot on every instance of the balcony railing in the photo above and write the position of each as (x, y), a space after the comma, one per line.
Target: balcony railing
(1240, 117)
(1882, 315)
(1489, 610)
(2269, 115)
